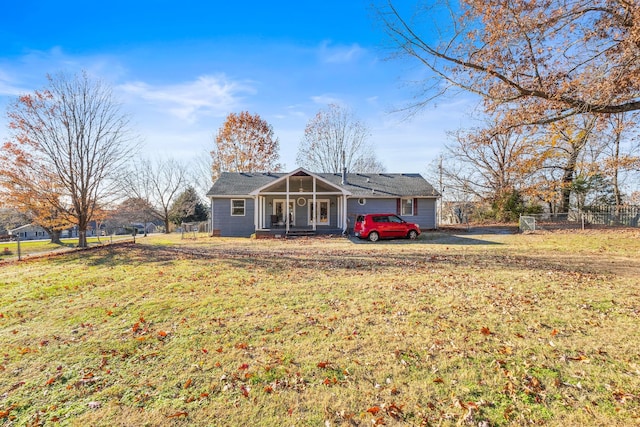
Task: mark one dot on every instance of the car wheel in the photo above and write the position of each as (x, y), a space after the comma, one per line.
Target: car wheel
(413, 235)
(374, 236)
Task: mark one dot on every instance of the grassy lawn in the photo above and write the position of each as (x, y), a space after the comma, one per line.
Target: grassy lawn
(33, 247)
(489, 330)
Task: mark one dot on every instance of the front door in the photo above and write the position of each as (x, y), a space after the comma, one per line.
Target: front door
(279, 210)
(320, 215)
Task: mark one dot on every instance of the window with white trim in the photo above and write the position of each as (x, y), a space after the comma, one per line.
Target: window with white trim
(406, 207)
(237, 207)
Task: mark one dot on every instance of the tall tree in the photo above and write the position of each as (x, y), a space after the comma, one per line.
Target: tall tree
(561, 149)
(188, 208)
(74, 131)
(335, 136)
(541, 60)
(621, 151)
(495, 164)
(245, 143)
(156, 182)
(34, 190)
(11, 218)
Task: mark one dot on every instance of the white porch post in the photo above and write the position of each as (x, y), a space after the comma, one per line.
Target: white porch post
(345, 219)
(286, 218)
(315, 206)
(256, 213)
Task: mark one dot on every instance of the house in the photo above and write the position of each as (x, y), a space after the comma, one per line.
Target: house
(30, 232)
(284, 203)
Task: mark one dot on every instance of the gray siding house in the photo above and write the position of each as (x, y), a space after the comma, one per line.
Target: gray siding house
(246, 203)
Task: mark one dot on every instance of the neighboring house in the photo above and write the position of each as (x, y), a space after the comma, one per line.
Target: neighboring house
(29, 232)
(246, 203)
(140, 227)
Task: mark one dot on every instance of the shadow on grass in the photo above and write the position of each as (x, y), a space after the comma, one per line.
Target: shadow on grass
(430, 239)
(362, 258)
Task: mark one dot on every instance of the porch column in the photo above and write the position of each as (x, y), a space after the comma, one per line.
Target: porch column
(315, 205)
(256, 213)
(286, 203)
(345, 219)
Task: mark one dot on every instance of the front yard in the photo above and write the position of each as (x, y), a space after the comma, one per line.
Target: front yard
(447, 330)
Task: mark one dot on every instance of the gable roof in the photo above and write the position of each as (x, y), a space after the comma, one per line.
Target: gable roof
(300, 172)
(357, 185)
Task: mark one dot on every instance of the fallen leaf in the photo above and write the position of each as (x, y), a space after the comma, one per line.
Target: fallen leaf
(485, 331)
(373, 410)
(178, 414)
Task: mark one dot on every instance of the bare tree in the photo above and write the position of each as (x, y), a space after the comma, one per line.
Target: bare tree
(489, 164)
(335, 136)
(621, 151)
(74, 131)
(168, 179)
(200, 174)
(157, 182)
(541, 61)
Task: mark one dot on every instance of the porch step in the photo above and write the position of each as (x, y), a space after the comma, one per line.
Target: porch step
(300, 233)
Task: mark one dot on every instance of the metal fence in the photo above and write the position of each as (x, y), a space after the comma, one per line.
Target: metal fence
(591, 217)
(627, 215)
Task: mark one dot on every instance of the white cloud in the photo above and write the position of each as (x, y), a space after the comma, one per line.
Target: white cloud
(327, 99)
(206, 96)
(340, 54)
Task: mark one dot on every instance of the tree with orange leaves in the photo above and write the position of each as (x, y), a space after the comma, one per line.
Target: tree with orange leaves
(245, 143)
(538, 61)
(69, 141)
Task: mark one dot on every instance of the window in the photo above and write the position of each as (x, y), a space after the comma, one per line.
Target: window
(407, 207)
(237, 207)
(362, 201)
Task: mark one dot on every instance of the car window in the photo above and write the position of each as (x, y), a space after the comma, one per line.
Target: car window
(380, 219)
(394, 218)
(360, 218)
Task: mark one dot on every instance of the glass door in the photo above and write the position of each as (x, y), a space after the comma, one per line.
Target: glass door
(320, 215)
(279, 211)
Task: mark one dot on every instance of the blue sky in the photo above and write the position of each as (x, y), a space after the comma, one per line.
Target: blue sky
(180, 67)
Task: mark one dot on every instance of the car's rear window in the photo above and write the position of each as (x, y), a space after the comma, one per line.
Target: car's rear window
(360, 218)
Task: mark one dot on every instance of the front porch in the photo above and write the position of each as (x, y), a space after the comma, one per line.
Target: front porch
(299, 232)
(300, 204)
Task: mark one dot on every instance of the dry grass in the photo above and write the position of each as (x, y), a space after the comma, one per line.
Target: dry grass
(448, 330)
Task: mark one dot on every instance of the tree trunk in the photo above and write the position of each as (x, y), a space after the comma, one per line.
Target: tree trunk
(567, 181)
(55, 237)
(82, 238)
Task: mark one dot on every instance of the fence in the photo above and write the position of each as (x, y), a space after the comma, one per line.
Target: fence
(548, 221)
(591, 217)
(613, 215)
(191, 229)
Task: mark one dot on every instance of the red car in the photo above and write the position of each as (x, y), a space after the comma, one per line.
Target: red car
(384, 226)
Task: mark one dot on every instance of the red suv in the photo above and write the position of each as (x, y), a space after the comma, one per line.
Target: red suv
(384, 226)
